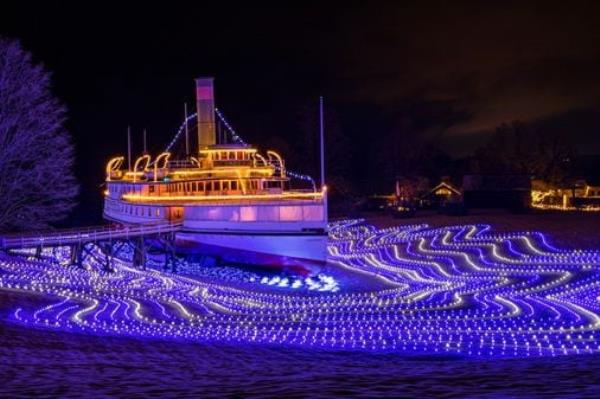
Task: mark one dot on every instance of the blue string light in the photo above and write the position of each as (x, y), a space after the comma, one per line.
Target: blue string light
(423, 290)
(180, 132)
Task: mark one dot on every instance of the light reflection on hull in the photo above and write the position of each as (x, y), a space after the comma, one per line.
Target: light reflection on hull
(302, 254)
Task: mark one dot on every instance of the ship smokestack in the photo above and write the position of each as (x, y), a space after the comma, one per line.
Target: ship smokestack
(205, 106)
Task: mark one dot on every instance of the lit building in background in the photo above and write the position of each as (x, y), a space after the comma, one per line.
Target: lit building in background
(581, 194)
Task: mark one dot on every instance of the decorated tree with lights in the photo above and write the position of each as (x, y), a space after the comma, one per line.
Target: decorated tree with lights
(37, 184)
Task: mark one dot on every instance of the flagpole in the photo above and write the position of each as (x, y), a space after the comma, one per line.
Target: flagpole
(187, 134)
(129, 148)
(322, 142)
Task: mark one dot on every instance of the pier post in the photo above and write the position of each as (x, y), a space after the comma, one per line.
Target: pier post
(76, 255)
(139, 253)
(108, 254)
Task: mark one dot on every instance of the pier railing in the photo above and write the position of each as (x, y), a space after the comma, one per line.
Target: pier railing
(82, 235)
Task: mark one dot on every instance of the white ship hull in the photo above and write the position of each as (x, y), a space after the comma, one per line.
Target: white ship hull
(298, 246)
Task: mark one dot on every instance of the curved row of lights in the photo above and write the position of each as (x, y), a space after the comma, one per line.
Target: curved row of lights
(460, 290)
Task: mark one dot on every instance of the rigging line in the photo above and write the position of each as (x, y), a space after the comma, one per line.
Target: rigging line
(236, 138)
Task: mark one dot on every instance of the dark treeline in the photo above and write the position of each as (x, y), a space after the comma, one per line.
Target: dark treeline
(368, 150)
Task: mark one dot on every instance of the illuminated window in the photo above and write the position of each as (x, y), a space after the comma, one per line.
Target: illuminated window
(248, 213)
(290, 213)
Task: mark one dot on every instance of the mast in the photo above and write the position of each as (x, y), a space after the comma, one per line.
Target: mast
(129, 148)
(145, 147)
(322, 134)
(322, 142)
(187, 133)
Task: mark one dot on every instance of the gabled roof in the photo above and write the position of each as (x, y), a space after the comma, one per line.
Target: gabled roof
(446, 186)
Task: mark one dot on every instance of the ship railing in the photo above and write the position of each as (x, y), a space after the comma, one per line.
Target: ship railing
(247, 202)
(182, 164)
(236, 162)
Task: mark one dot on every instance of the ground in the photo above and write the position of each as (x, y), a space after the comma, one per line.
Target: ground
(36, 362)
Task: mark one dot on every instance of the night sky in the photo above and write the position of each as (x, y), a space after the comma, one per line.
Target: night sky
(458, 69)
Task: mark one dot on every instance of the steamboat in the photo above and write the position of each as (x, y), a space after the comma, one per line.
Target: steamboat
(233, 203)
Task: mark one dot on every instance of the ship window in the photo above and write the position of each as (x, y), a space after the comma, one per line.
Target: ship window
(151, 188)
(208, 186)
(225, 185)
(217, 185)
(272, 184)
(312, 213)
(234, 185)
(248, 213)
(290, 213)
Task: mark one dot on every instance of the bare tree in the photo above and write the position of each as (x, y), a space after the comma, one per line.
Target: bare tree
(37, 185)
(517, 148)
